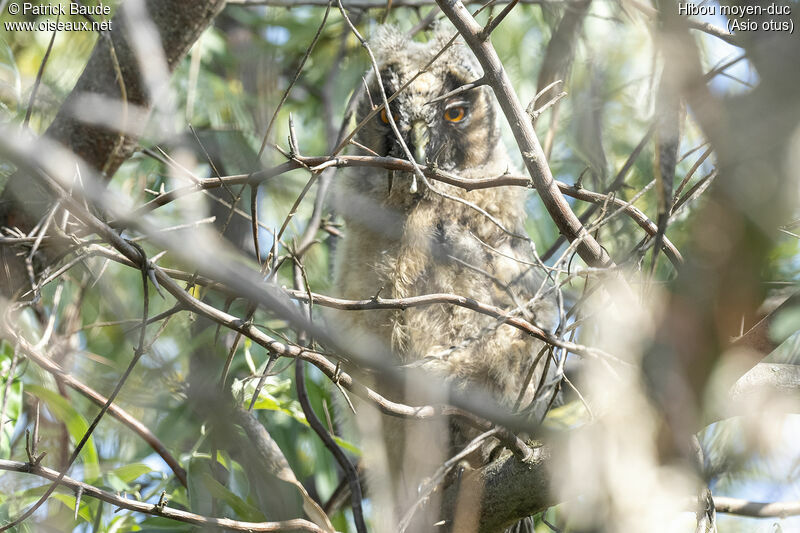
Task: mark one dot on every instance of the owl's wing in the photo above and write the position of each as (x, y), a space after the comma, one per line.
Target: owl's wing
(537, 300)
(535, 292)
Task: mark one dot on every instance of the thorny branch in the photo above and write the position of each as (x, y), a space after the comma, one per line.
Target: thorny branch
(532, 154)
(7, 332)
(390, 163)
(154, 509)
(549, 189)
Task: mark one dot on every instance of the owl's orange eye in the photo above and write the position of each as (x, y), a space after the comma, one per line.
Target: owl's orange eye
(385, 116)
(455, 114)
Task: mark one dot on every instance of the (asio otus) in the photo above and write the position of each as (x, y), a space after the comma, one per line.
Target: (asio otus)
(404, 239)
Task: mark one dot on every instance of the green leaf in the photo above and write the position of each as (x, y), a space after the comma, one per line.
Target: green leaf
(159, 523)
(115, 483)
(243, 509)
(69, 500)
(12, 402)
(200, 500)
(567, 416)
(268, 400)
(131, 472)
(6, 512)
(785, 324)
(76, 425)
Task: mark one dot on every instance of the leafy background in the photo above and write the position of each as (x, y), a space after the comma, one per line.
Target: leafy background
(227, 90)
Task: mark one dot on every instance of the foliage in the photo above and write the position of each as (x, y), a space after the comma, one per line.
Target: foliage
(223, 95)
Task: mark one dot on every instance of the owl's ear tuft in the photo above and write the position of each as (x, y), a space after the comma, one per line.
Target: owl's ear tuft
(387, 42)
(459, 55)
(441, 32)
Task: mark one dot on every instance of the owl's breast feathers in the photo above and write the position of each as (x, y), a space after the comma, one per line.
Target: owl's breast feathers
(441, 246)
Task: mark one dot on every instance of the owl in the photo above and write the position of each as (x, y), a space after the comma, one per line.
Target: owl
(404, 238)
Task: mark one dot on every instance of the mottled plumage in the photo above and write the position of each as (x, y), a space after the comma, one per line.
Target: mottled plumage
(403, 239)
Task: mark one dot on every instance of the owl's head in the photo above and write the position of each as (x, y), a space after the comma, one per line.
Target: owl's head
(454, 133)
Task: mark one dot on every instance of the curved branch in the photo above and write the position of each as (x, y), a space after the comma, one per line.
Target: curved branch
(495, 75)
(376, 303)
(511, 488)
(452, 299)
(100, 400)
(155, 509)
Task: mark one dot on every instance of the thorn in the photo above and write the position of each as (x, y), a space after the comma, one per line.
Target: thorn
(162, 501)
(78, 496)
(579, 181)
(158, 256)
(28, 450)
(38, 458)
(152, 275)
(35, 440)
(374, 299)
(294, 151)
(344, 394)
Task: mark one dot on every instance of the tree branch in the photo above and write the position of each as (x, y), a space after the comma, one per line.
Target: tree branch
(741, 507)
(154, 509)
(391, 163)
(509, 488)
(98, 399)
(532, 154)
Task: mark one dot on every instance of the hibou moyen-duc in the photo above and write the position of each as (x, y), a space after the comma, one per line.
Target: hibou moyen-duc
(403, 239)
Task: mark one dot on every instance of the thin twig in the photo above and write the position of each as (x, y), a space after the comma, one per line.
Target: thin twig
(39, 76)
(349, 469)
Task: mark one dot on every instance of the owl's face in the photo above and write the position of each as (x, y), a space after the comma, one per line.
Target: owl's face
(459, 132)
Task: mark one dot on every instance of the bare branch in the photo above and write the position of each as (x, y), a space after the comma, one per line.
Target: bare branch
(741, 507)
(114, 410)
(156, 510)
(520, 123)
(391, 163)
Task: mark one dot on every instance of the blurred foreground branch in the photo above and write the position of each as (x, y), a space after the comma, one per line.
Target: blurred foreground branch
(116, 80)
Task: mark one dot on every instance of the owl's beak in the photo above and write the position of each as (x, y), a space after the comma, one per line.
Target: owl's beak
(419, 140)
